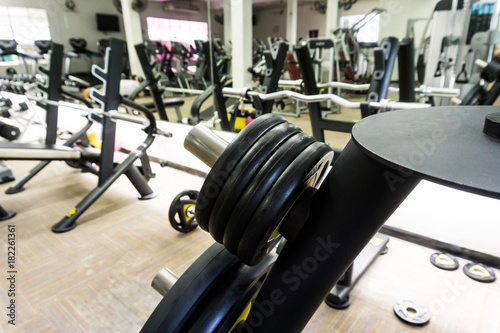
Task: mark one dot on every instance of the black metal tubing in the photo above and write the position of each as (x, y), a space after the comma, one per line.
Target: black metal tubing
(275, 60)
(53, 74)
(198, 102)
(385, 57)
(151, 79)
(309, 81)
(109, 100)
(318, 123)
(334, 234)
(459, 251)
(406, 70)
(219, 102)
(79, 98)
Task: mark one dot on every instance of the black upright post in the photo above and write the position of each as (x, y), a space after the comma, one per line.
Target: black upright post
(51, 89)
(219, 103)
(152, 79)
(275, 60)
(310, 87)
(109, 100)
(406, 70)
(385, 57)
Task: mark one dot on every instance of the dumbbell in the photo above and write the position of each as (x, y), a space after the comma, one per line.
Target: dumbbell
(260, 186)
(9, 132)
(7, 110)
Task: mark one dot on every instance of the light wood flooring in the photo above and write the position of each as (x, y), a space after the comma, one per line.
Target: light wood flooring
(96, 278)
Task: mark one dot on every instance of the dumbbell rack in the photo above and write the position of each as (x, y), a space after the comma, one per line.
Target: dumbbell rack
(50, 89)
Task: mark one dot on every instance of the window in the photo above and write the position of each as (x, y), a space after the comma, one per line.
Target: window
(25, 25)
(369, 33)
(166, 30)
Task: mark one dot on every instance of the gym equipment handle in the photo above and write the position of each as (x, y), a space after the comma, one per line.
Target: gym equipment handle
(163, 281)
(422, 90)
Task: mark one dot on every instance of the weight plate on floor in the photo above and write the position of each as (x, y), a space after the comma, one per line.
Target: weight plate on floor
(224, 165)
(243, 173)
(444, 261)
(411, 313)
(479, 272)
(181, 212)
(307, 170)
(260, 186)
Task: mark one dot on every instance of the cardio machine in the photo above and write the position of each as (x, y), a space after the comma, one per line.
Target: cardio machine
(80, 51)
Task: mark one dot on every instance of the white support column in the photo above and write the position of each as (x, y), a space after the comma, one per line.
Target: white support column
(133, 33)
(332, 16)
(242, 39)
(227, 21)
(291, 21)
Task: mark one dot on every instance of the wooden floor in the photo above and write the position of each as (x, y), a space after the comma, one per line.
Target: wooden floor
(96, 278)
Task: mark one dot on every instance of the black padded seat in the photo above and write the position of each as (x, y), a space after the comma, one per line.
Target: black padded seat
(23, 151)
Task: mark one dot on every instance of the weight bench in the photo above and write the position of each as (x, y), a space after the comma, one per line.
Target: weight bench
(169, 103)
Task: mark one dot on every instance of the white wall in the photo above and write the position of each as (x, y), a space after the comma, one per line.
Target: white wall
(271, 22)
(394, 21)
(155, 9)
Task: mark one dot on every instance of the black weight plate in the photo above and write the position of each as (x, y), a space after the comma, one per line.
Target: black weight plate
(227, 301)
(411, 313)
(444, 261)
(303, 172)
(479, 272)
(187, 293)
(229, 158)
(474, 95)
(180, 215)
(244, 171)
(491, 71)
(259, 186)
